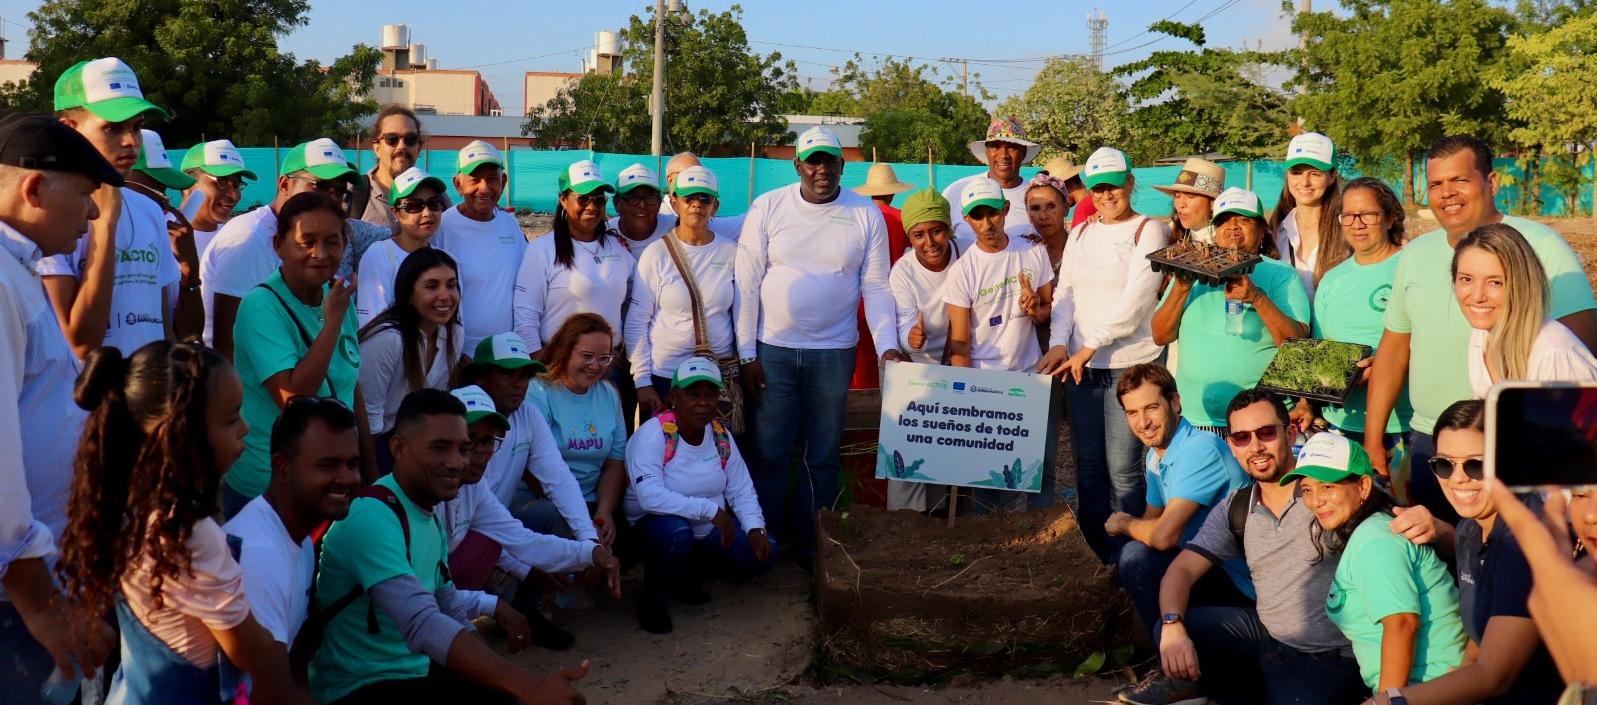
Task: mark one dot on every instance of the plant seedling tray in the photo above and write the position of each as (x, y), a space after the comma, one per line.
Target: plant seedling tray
(1285, 374)
(1207, 263)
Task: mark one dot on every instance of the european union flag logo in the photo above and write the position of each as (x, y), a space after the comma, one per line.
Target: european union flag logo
(115, 85)
(959, 386)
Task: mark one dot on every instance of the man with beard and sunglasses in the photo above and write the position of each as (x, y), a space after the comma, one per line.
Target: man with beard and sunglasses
(1285, 648)
(397, 141)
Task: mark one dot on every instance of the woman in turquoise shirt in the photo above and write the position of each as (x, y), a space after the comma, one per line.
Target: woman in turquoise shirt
(295, 336)
(1393, 600)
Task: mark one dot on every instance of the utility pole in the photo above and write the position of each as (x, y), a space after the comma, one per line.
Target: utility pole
(1098, 29)
(964, 72)
(657, 102)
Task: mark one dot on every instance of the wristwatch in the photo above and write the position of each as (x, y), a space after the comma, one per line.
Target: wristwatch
(1395, 697)
(757, 531)
(747, 360)
(1170, 618)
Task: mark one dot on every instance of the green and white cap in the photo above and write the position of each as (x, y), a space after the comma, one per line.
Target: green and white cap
(583, 177)
(1106, 166)
(1235, 200)
(506, 351)
(636, 176)
(696, 179)
(981, 191)
(218, 158)
(818, 139)
(411, 179)
(477, 154)
(1311, 149)
(479, 406)
(321, 158)
(697, 369)
(1330, 457)
(153, 160)
(106, 87)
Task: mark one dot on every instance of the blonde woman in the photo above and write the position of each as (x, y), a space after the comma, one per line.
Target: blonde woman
(1502, 292)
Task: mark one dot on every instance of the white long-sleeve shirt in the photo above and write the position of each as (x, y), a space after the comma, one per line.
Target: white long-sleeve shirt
(692, 486)
(476, 509)
(659, 330)
(802, 268)
(379, 266)
(548, 293)
(529, 446)
(382, 380)
(1107, 291)
(489, 255)
(918, 293)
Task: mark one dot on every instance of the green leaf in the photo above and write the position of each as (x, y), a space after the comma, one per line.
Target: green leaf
(1092, 664)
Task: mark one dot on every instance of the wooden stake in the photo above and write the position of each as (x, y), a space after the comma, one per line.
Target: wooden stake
(931, 170)
(953, 504)
(751, 172)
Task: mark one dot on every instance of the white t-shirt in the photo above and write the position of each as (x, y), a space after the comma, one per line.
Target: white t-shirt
(1107, 291)
(489, 255)
(802, 268)
(145, 266)
(383, 382)
(1556, 356)
(375, 285)
(659, 329)
(240, 258)
(529, 446)
(548, 293)
(692, 486)
(203, 238)
(662, 225)
(918, 292)
(988, 283)
(1289, 249)
(1016, 223)
(277, 571)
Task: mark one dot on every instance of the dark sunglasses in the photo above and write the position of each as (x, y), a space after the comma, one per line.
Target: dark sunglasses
(410, 139)
(331, 188)
(590, 199)
(1266, 434)
(413, 206)
(698, 199)
(640, 196)
(1474, 468)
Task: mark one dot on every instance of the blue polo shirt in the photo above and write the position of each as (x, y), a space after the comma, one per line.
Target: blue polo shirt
(1494, 580)
(1197, 467)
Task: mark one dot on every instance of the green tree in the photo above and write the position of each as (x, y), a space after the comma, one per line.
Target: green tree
(1208, 100)
(1550, 83)
(1385, 78)
(1071, 109)
(213, 63)
(720, 95)
(907, 110)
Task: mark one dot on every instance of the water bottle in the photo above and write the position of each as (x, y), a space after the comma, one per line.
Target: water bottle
(1235, 315)
(58, 689)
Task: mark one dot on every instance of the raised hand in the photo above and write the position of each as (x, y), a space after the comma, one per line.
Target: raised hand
(917, 333)
(339, 294)
(1028, 295)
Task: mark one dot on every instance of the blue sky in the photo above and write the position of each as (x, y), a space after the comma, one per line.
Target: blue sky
(503, 38)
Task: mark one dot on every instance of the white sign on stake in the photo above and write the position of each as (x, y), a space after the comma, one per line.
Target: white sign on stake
(965, 427)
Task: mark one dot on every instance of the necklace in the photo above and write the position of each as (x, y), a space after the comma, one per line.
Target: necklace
(594, 251)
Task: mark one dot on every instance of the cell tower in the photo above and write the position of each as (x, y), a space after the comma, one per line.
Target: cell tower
(1098, 27)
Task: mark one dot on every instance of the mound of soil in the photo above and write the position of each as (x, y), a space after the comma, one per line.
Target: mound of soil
(905, 598)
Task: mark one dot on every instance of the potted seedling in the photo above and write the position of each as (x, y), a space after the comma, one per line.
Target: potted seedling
(1321, 370)
(1202, 261)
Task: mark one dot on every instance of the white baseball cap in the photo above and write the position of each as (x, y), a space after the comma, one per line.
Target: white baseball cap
(479, 405)
(154, 160)
(1311, 149)
(1106, 166)
(696, 179)
(818, 139)
(476, 154)
(218, 158)
(981, 191)
(697, 369)
(583, 177)
(636, 176)
(411, 179)
(106, 87)
(1235, 200)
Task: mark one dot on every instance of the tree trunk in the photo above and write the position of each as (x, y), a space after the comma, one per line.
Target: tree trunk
(1408, 179)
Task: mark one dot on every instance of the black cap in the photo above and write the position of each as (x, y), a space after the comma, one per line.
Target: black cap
(43, 143)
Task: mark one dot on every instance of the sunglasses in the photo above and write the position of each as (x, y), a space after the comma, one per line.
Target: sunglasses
(640, 197)
(589, 358)
(335, 189)
(698, 199)
(410, 139)
(232, 184)
(1474, 468)
(413, 206)
(592, 199)
(1266, 434)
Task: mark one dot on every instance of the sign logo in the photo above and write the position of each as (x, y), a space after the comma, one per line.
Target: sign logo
(1017, 392)
(959, 387)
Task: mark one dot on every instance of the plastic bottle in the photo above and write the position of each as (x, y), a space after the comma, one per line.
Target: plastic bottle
(1235, 315)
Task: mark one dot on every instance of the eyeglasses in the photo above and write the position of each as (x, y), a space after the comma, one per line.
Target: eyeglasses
(592, 199)
(1366, 217)
(410, 139)
(703, 200)
(491, 443)
(1474, 468)
(589, 358)
(234, 184)
(1266, 434)
(413, 206)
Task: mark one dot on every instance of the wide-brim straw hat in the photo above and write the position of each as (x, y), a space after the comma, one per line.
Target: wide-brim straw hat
(1062, 168)
(1198, 176)
(881, 180)
(1005, 129)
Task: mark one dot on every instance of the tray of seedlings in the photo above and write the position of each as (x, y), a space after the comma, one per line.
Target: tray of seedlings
(1321, 370)
(1202, 261)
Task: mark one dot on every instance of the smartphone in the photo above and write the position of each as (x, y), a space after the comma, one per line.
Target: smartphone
(192, 206)
(1542, 433)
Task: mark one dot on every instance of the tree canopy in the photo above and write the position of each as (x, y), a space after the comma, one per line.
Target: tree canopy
(1072, 109)
(906, 110)
(1549, 82)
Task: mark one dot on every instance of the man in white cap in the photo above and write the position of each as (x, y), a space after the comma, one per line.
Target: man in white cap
(219, 172)
(641, 220)
(111, 290)
(1003, 151)
(808, 252)
(486, 241)
(151, 176)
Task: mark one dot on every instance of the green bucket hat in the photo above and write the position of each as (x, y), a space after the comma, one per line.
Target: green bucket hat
(218, 158)
(320, 158)
(583, 177)
(153, 160)
(410, 180)
(926, 206)
(106, 87)
(1330, 457)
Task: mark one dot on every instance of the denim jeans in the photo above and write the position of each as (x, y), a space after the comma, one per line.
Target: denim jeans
(802, 405)
(1109, 458)
(540, 514)
(25, 664)
(1142, 567)
(671, 553)
(1242, 663)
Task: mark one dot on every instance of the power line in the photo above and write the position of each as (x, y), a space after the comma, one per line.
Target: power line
(528, 58)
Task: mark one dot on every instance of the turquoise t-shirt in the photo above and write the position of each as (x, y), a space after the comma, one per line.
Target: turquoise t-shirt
(1424, 306)
(1197, 467)
(1350, 306)
(587, 428)
(1215, 366)
(1382, 574)
(367, 548)
(269, 337)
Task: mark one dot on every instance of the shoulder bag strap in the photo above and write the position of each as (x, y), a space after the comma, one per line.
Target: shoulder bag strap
(701, 332)
(304, 336)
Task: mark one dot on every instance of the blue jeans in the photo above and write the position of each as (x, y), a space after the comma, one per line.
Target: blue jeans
(803, 405)
(1109, 458)
(540, 514)
(1142, 567)
(25, 664)
(1242, 663)
(672, 554)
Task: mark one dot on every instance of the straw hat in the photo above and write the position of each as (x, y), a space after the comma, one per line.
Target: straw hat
(1062, 168)
(1198, 176)
(1005, 129)
(881, 180)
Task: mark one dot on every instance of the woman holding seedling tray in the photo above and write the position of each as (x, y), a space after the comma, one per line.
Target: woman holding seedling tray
(1229, 332)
